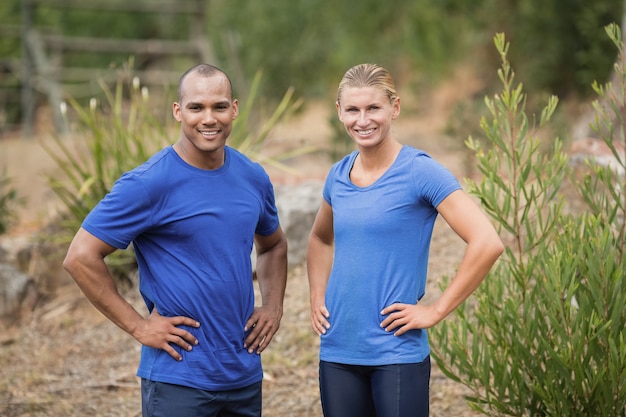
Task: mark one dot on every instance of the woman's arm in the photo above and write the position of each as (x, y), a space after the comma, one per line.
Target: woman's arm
(483, 249)
(319, 263)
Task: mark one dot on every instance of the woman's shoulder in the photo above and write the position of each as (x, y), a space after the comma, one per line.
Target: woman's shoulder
(411, 152)
(345, 162)
(420, 159)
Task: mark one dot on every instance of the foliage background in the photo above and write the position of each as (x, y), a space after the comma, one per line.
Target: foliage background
(308, 44)
(560, 48)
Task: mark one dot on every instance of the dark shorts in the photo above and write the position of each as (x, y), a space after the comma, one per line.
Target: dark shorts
(159, 399)
(366, 391)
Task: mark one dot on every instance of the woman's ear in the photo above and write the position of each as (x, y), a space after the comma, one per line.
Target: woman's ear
(338, 107)
(396, 108)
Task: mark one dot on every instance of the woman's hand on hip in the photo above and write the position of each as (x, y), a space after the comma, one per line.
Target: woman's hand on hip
(404, 317)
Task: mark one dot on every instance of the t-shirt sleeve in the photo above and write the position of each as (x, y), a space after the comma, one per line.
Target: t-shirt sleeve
(268, 222)
(434, 182)
(122, 214)
(326, 191)
(331, 178)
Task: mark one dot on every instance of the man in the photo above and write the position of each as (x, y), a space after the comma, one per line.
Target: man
(192, 213)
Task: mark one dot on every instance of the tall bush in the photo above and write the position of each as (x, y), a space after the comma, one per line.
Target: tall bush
(544, 335)
(109, 137)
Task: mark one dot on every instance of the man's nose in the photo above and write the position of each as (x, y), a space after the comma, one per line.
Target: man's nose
(208, 117)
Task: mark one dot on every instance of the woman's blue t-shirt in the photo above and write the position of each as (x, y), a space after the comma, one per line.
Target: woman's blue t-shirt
(193, 231)
(382, 239)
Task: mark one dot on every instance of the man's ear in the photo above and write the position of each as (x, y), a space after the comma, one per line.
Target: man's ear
(235, 108)
(176, 111)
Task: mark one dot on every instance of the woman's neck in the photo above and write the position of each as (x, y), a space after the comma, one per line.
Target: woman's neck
(381, 157)
(371, 164)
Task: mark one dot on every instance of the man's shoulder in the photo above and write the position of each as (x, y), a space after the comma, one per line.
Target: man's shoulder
(153, 161)
(154, 172)
(241, 161)
(153, 166)
(238, 156)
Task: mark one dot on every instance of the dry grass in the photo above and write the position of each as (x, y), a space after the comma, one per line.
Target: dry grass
(68, 360)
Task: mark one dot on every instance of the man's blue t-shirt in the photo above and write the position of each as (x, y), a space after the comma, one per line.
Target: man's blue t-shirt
(382, 238)
(193, 232)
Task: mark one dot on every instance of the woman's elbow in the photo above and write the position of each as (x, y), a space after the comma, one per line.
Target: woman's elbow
(496, 247)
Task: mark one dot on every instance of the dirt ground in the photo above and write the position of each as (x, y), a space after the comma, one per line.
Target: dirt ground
(68, 360)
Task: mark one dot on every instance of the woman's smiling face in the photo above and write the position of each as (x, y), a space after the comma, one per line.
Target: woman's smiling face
(367, 113)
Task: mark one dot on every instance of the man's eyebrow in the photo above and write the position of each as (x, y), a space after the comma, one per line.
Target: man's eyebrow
(217, 103)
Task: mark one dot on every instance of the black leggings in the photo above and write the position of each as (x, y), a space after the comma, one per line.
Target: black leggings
(375, 391)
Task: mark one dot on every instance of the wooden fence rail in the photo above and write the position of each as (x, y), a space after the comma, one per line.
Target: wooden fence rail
(40, 70)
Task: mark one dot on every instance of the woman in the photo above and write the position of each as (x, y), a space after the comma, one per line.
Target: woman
(368, 255)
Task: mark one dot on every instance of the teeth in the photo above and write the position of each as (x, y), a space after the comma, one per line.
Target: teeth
(209, 132)
(365, 132)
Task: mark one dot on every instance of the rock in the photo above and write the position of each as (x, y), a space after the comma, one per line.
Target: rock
(18, 293)
(30, 271)
(297, 206)
(598, 151)
(43, 262)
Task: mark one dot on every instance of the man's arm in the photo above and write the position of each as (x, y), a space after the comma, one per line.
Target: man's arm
(271, 273)
(85, 263)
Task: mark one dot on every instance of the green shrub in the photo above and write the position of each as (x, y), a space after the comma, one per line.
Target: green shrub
(544, 335)
(252, 127)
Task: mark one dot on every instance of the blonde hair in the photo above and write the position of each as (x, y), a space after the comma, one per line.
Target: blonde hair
(368, 75)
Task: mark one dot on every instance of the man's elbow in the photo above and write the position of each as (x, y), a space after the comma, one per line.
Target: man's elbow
(70, 261)
(282, 248)
(77, 256)
(276, 246)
